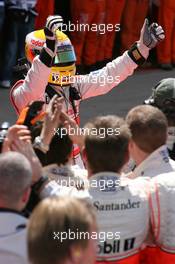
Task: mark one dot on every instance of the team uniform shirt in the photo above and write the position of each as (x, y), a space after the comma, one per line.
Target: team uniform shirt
(157, 162)
(13, 241)
(67, 175)
(122, 209)
(52, 188)
(162, 220)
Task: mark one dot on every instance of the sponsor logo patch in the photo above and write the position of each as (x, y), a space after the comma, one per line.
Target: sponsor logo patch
(37, 43)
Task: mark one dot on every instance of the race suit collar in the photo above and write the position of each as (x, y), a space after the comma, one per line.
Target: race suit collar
(153, 161)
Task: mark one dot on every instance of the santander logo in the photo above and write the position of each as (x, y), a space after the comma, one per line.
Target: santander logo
(37, 43)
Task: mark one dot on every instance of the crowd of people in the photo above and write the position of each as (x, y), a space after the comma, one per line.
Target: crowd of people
(103, 213)
(99, 30)
(102, 193)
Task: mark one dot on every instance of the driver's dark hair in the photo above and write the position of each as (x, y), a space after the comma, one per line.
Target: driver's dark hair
(60, 149)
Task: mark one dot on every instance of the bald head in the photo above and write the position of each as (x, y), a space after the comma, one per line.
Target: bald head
(15, 177)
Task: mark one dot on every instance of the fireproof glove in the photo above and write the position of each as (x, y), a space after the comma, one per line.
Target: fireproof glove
(151, 35)
(48, 52)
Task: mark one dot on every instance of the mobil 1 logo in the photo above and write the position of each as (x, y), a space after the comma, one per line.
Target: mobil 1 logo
(116, 246)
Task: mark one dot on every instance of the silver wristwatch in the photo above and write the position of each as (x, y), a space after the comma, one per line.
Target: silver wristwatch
(38, 144)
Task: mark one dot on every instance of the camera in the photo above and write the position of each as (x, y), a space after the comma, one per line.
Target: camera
(3, 132)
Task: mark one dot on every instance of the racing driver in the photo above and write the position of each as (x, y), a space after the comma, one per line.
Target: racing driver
(53, 70)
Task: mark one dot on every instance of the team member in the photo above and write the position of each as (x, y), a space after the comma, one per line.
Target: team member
(118, 202)
(112, 196)
(133, 16)
(52, 69)
(43, 12)
(147, 147)
(163, 97)
(15, 181)
(162, 220)
(57, 160)
(87, 41)
(114, 12)
(54, 219)
(166, 51)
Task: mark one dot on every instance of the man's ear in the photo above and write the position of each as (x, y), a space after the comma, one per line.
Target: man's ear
(127, 156)
(130, 146)
(86, 163)
(84, 155)
(26, 195)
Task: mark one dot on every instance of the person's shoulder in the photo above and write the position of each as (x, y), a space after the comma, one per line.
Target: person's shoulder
(172, 162)
(165, 179)
(79, 172)
(139, 186)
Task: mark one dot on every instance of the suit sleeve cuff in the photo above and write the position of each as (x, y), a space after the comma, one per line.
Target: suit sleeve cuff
(46, 58)
(135, 54)
(144, 50)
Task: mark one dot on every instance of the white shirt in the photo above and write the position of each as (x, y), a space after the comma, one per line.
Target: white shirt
(13, 245)
(156, 163)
